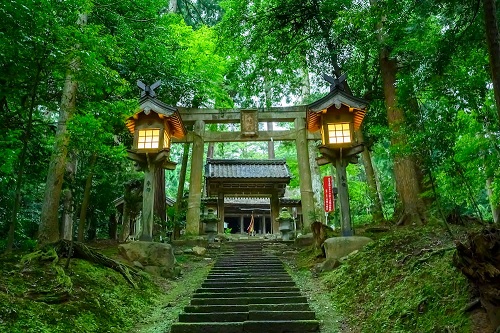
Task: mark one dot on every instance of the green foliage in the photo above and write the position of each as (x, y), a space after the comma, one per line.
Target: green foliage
(402, 282)
(43, 297)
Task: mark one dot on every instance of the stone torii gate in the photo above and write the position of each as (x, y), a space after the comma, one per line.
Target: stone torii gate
(248, 120)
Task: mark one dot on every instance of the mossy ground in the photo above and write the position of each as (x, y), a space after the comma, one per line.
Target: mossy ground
(42, 296)
(403, 282)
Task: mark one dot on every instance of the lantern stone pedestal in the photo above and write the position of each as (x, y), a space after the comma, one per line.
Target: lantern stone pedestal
(211, 221)
(285, 224)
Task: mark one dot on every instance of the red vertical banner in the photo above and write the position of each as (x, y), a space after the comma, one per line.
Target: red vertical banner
(328, 193)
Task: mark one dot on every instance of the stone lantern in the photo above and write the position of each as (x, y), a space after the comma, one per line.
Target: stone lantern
(211, 221)
(338, 115)
(285, 221)
(153, 127)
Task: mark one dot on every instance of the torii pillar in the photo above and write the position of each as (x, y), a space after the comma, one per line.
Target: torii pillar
(195, 180)
(306, 191)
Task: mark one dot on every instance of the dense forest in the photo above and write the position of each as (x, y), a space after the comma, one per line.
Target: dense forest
(429, 70)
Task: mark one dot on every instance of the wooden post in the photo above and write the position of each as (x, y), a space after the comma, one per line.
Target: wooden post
(148, 200)
(263, 221)
(343, 193)
(242, 226)
(195, 180)
(306, 192)
(275, 211)
(220, 211)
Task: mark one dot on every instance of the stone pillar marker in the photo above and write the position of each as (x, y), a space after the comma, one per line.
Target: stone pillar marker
(306, 191)
(148, 199)
(195, 180)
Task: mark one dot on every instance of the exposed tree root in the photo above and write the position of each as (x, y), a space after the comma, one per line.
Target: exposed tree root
(429, 252)
(80, 250)
(479, 261)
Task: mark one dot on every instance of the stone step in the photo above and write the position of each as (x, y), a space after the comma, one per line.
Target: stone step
(281, 315)
(246, 275)
(213, 317)
(208, 327)
(268, 283)
(255, 272)
(233, 274)
(260, 266)
(256, 266)
(270, 278)
(235, 261)
(279, 307)
(248, 268)
(246, 289)
(247, 294)
(243, 261)
(247, 308)
(278, 326)
(248, 300)
(216, 308)
(197, 317)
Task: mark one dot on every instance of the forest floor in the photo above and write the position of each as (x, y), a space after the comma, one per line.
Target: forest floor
(402, 282)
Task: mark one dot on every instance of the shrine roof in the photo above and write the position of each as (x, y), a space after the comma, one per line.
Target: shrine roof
(248, 169)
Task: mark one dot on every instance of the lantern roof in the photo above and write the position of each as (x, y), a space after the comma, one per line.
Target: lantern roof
(148, 104)
(337, 97)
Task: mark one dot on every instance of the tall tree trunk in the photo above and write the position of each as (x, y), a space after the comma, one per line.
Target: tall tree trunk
(270, 144)
(317, 185)
(493, 41)
(495, 208)
(180, 190)
(305, 90)
(172, 6)
(407, 186)
(210, 150)
(67, 214)
(371, 180)
(125, 215)
(48, 231)
(49, 226)
(68, 202)
(86, 199)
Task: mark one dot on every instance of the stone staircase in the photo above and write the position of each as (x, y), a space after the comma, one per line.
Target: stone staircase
(247, 291)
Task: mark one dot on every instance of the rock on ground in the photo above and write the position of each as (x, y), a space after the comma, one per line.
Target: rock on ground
(199, 251)
(148, 253)
(338, 247)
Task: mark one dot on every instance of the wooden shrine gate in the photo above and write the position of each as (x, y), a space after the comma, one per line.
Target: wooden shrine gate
(249, 121)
